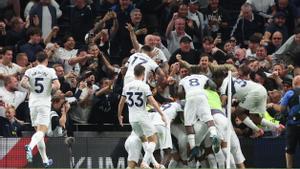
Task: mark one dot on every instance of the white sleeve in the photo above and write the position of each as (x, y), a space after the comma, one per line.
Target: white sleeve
(153, 65)
(53, 74)
(27, 73)
(147, 90)
(223, 87)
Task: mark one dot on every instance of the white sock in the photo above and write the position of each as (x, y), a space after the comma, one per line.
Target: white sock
(42, 149)
(191, 139)
(212, 131)
(232, 162)
(212, 161)
(172, 164)
(248, 122)
(220, 158)
(149, 152)
(37, 137)
(268, 124)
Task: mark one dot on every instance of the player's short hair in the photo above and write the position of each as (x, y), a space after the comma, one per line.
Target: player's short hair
(139, 70)
(146, 48)
(41, 56)
(245, 70)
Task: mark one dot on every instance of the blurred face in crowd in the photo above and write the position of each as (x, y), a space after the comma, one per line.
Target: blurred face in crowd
(240, 54)
(17, 23)
(150, 40)
(22, 60)
(80, 3)
(157, 40)
(259, 79)
(183, 10)
(193, 7)
(277, 39)
(179, 25)
(94, 50)
(228, 47)
(283, 3)
(208, 46)
(90, 80)
(35, 39)
(105, 83)
(214, 4)
(254, 66)
(204, 61)
(274, 96)
(59, 71)
(10, 113)
(297, 38)
(280, 21)
(279, 69)
(261, 53)
(124, 3)
(136, 16)
(185, 46)
(253, 46)
(183, 72)
(70, 43)
(7, 57)
(12, 85)
(247, 12)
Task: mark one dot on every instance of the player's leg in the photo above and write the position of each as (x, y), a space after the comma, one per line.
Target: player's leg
(178, 131)
(235, 149)
(133, 146)
(292, 138)
(165, 142)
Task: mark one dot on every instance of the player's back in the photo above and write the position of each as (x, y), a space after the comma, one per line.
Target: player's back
(171, 109)
(140, 58)
(40, 79)
(136, 93)
(193, 84)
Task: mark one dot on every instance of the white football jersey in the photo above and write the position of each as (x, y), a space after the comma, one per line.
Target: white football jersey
(169, 109)
(143, 59)
(40, 80)
(240, 88)
(136, 93)
(193, 84)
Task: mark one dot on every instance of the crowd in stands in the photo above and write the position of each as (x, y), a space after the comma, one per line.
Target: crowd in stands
(88, 43)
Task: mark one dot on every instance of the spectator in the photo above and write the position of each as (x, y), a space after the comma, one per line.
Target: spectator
(278, 24)
(2, 33)
(46, 14)
(81, 21)
(6, 4)
(287, 53)
(262, 7)
(64, 78)
(31, 3)
(7, 67)
(246, 25)
(16, 34)
(240, 57)
(22, 60)
(10, 94)
(290, 103)
(254, 41)
(120, 44)
(276, 42)
(208, 47)
(217, 19)
(195, 15)
(161, 46)
(265, 61)
(33, 45)
(185, 50)
(173, 36)
(10, 126)
(290, 11)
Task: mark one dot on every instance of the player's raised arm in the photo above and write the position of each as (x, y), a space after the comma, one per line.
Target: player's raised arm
(120, 109)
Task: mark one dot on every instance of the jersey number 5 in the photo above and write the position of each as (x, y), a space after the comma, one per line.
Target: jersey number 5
(135, 98)
(39, 88)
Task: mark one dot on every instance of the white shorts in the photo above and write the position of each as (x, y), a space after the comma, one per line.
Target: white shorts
(40, 115)
(196, 107)
(221, 125)
(133, 146)
(143, 128)
(255, 101)
(164, 137)
(178, 131)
